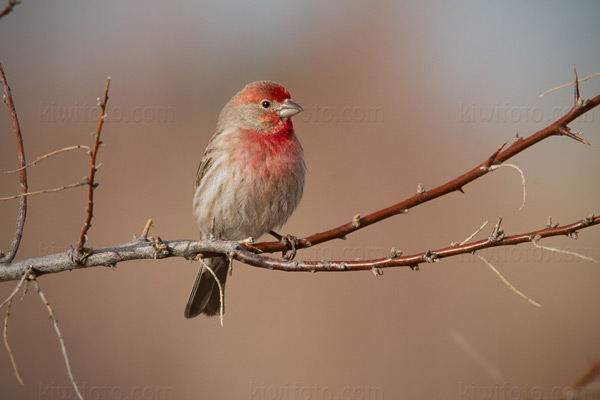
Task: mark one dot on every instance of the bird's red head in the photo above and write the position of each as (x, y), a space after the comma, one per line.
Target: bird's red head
(263, 107)
(263, 90)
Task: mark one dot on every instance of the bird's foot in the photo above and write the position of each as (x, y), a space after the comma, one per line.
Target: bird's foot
(285, 239)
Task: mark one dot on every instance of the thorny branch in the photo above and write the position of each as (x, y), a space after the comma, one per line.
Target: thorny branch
(558, 128)
(93, 168)
(22, 214)
(249, 254)
(140, 249)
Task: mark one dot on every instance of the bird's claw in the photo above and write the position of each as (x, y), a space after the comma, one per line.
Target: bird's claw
(293, 241)
(285, 239)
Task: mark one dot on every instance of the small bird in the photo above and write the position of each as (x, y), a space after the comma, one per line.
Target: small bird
(249, 181)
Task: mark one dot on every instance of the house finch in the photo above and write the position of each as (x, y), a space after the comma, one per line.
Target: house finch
(250, 179)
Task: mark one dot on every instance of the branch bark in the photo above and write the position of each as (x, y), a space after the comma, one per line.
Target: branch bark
(140, 249)
(92, 184)
(22, 214)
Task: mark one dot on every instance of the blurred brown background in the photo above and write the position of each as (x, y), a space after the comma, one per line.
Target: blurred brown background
(395, 95)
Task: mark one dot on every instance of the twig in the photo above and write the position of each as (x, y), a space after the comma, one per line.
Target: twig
(9, 7)
(92, 185)
(8, 303)
(506, 282)
(23, 195)
(497, 234)
(467, 240)
(568, 84)
(16, 289)
(493, 167)
(146, 230)
(60, 338)
(22, 214)
(10, 354)
(79, 146)
(535, 243)
(205, 265)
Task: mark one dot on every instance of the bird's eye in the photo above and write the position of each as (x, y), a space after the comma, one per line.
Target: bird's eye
(265, 104)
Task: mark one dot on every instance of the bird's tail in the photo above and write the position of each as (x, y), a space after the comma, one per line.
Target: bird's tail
(205, 297)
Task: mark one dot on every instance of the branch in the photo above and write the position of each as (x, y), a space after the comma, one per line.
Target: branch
(54, 190)
(558, 128)
(590, 373)
(9, 7)
(14, 246)
(140, 249)
(37, 160)
(93, 168)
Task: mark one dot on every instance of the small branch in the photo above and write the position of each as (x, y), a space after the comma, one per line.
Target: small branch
(60, 338)
(568, 84)
(16, 289)
(22, 214)
(5, 335)
(555, 250)
(506, 282)
(520, 171)
(9, 7)
(23, 195)
(90, 207)
(146, 230)
(79, 146)
(467, 240)
(8, 303)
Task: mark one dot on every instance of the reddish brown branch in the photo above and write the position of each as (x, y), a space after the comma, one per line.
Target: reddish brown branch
(590, 373)
(22, 214)
(92, 185)
(9, 7)
(415, 259)
(557, 128)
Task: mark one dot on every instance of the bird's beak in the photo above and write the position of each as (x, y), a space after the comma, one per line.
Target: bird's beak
(289, 108)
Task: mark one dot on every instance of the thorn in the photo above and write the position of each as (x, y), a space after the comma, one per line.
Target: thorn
(567, 132)
(492, 158)
(550, 224)
(588, 220)
(460, 189)
(430, 257)
(577, 102)
(395, 253)
(497, 234)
